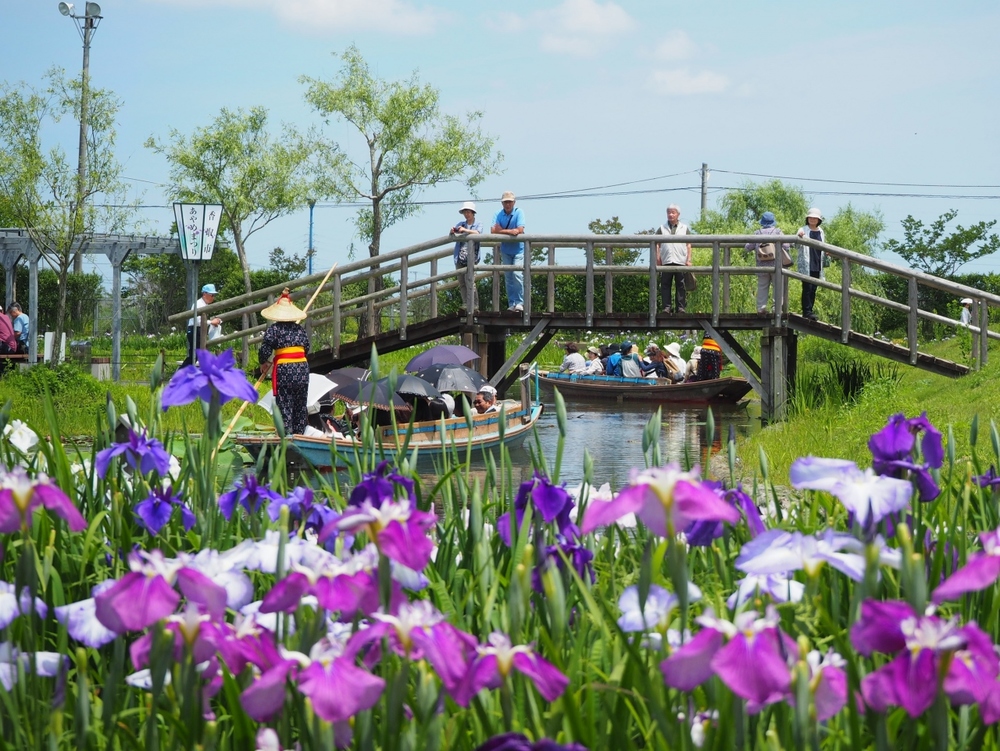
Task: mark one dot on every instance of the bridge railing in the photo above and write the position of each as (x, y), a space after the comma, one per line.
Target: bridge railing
(418, 278)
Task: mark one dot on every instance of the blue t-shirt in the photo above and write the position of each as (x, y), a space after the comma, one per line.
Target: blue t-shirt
(458, 245)
(21, 327)
(510, 221)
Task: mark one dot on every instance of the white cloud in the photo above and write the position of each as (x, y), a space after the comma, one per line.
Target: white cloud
(324, 16)
(683, 82)
(676, 45)
(581, 27)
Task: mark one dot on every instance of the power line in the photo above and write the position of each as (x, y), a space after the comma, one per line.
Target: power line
(857, 182)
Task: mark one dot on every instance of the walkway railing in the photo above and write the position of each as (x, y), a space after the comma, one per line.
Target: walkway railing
(355, 294)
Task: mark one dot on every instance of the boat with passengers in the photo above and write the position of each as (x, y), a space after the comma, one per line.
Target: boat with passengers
(616, 388)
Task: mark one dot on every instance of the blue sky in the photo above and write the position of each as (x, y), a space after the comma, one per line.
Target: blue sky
(578, 93)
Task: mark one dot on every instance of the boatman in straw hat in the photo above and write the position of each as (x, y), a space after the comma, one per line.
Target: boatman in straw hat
(285, 345)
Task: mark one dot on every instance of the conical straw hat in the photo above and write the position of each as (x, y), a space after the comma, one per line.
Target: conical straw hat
(283, 309)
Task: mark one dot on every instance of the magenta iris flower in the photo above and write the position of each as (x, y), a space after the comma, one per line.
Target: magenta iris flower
(518, 742)
(398, 528)
(868, 496)
(20, 495)
(496, 660)
(551, 502)
(141, 453)
(980, 571)
(665, 498)
(894, 452)
(701, 533)
(248, 493)
(211, 375)
(155, 511)
(146, 594)
(926, 646)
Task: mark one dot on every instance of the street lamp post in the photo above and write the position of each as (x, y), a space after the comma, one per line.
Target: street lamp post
(86, 24)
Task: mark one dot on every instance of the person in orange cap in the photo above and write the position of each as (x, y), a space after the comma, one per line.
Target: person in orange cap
(285, 345)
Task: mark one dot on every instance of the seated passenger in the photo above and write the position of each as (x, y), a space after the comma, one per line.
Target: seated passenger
(594, 364)
(486, 400)
(675, 363)
(613, 367)
(630, 361)
(691, 372)
(573, 362)
(710, 364)
(654, 366)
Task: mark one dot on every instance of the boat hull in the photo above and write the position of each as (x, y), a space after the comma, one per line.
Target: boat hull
(646, 389)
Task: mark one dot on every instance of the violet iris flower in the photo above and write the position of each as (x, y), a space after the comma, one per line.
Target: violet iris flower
(779, 587)
(868, 496)
(702, 533)
(665, 498)
(248, 493)
(210, 375)
(498, 658)
(141, 453)
(302, 508)
(925, 647)
(655, 615)
(13, 660)
(894, 452)
(80, 619)
(20, 495)
(146, 594)
(384, 484)
(579, 557)
(155, 511)
(518, 742)
(980, 571)
(551, 502)
(989, 480)
(11, 605)
(780, 552)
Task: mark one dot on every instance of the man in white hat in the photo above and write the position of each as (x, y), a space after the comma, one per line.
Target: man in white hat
(966, 317)
(208, 293)
(485, 400)
(466, 251)
(673, 254)
(285, 345)
(510, 221)
(811, 260)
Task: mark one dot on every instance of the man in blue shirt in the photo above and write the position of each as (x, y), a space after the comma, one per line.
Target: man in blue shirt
(510, 221)
(19, 321)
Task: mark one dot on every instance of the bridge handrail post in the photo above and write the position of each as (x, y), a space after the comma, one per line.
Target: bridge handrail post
(652, 283)
(845, 301)
(470, 284)
(550, 293)
(527, 282)
(404, 283)
(984, 323)
(497, 260)
(434, 288)
(715, 282)
(609, 281)
(337, 296)
(589, 294)
(911, 319)
(727, 259)
(780, 280)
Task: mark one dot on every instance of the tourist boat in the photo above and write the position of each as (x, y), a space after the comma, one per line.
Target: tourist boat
(430, 438)
(645, 389)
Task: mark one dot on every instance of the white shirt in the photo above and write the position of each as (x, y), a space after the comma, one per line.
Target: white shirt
(672, 252)
(573, 362)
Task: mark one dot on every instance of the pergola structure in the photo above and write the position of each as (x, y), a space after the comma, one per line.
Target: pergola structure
(16, 244)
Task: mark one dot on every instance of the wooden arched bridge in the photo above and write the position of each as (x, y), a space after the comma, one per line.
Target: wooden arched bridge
(345, 325)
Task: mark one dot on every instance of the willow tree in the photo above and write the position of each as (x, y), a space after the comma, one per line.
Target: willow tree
(235, 161)
(411, 145)
(39, 187)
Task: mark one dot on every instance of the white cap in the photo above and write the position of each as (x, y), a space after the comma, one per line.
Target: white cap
(966, 301)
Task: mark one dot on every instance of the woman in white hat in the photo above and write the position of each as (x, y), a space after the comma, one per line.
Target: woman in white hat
(811, 259)
(966, 317)
(285, 345)
(464, 250)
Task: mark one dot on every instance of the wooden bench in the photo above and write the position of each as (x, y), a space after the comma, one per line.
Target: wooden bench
(8, 359)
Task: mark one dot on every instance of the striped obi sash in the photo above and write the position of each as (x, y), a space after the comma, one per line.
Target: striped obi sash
(285, 356)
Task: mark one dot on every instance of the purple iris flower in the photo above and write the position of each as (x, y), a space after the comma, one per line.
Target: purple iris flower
(925, 646)
(827, 683)
(141, 453)
(248, 493)
(980, 571)
(701, 533)
(498, 658)
(211, 375)
(655, 614)
(780, 552)
(303, 509)
(579, 557)
(20, 495)
(384, 484)
(146, 594)
(11, 606)
(518, 742)
(155, 511)
(665, 498)
(80, 619)
(398, 528)
(552, 502)
(868, 496)
(894, 452)
(779, 587)
(989, 480)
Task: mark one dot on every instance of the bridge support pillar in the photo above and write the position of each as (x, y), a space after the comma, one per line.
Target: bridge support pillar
(492, 354)
(778, 362)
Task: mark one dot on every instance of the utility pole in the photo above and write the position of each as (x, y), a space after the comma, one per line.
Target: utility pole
(311, 251)
(704, 189)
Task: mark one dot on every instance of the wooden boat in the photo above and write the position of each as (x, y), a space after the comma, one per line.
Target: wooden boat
(645, 389)
(431, 438)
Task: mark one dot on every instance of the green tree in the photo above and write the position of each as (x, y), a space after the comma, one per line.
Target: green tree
(740, 210)
(932, 251)
(855, 230)
(235, 161)
(39, 188)
(410, 145)
(289, 265)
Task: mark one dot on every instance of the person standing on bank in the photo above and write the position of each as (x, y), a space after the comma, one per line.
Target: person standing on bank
(510, 221)
(284, 348)
(966, 316)
(673, 254)
(21, 325)
(811, 260)
(466, 251)
(208, 293)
